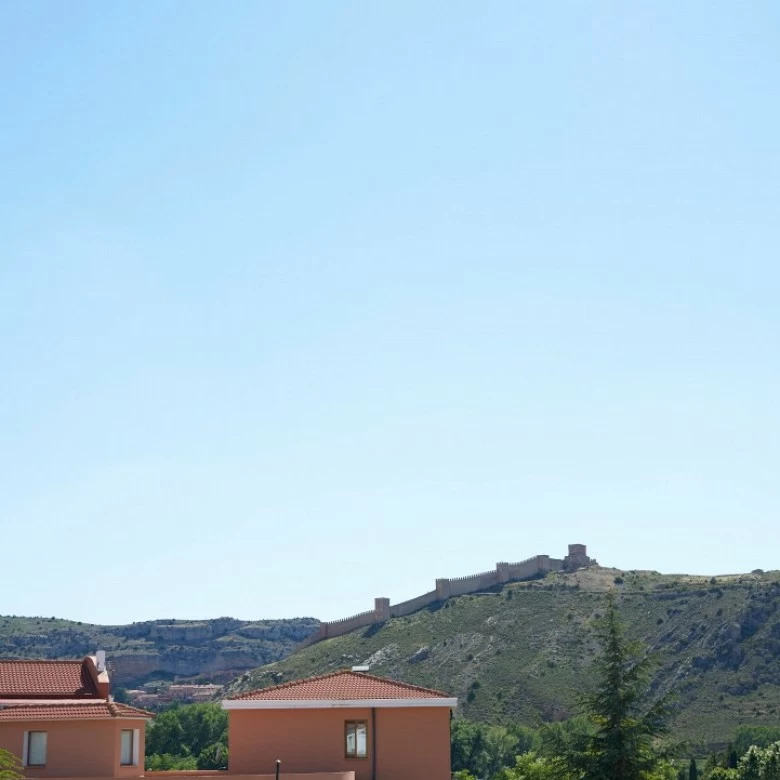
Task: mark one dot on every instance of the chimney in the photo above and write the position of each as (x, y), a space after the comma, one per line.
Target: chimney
(96, 666)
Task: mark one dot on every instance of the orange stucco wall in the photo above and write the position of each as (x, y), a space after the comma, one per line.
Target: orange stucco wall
(411, 743)
(205, 774)
(77, 748)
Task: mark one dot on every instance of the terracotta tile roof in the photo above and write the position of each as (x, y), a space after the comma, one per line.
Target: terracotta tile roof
(119, 710)
(46, 679)
(343, 685)
(64, 709)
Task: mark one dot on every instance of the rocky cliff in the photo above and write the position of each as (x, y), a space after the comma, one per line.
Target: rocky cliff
(207, 650)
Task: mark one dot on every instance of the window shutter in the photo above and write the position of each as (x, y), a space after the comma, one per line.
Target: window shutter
(136, 745)
(25, 745)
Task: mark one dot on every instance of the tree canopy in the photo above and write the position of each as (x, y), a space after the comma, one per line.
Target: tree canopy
(191, 736)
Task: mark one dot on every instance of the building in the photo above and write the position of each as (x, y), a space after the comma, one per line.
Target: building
(59, 719)
(190, 693)
(186, 694)
(342, 722)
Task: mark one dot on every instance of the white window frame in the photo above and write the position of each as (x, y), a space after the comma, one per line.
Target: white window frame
(135, 738)
(26, 748)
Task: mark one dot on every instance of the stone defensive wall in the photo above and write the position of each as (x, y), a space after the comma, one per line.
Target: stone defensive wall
(413, 605)
(504, 572)
(345, 625)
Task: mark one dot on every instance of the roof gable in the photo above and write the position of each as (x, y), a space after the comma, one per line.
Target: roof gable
(27, 679)
(342, 686)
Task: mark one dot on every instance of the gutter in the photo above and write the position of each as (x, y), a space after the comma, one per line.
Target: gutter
(373, 743)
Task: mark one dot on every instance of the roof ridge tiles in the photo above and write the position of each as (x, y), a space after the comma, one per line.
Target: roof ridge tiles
(370, 678)
(410, 686)
(22, 660)
(33, 701)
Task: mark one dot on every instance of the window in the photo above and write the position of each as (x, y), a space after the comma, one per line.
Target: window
(127, 747)
(36, 748)
(355, 737)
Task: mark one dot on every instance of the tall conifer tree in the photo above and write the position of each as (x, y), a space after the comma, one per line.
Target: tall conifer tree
(625, 718)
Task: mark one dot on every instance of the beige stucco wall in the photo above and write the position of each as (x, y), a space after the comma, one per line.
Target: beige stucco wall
(412, 743)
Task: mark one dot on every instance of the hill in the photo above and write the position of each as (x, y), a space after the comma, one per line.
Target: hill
(523, 651)
(204, 650)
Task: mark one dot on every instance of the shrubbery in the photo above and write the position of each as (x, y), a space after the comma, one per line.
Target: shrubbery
(190, 736)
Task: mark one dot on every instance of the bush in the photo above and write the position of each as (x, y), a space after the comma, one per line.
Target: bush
(10, 766)
(165, 762)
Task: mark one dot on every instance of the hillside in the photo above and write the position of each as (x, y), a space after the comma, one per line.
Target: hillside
(206, 650)
(523, 652)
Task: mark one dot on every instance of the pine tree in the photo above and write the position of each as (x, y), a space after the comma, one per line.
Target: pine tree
(625, 719)
(693, 770)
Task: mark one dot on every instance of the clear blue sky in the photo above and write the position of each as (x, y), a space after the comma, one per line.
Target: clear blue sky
(305, 303)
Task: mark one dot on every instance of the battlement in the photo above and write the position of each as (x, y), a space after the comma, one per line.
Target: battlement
(503, 573)
(472, 576)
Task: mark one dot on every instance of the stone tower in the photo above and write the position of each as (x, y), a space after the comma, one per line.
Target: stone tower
(577, 558)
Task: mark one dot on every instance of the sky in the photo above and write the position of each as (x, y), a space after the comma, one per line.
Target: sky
(307, 303)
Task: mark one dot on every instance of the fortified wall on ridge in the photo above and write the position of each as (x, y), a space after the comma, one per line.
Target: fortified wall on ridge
(503, 573)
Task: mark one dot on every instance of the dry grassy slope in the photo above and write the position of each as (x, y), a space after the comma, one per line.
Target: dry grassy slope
(524, 652)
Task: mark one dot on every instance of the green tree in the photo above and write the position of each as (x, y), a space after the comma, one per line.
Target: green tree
(529, 766)
(664, 770)
(196, 732)
(760, 736)
(120, 694)
(749, 766)
(499, 748)
(526, 738)
(770, 762)
(166, 735)
(693, 770)
(465, 745)
(10, 766)
(721, 773)
(482, 750)
(213, 757)
(625, 720)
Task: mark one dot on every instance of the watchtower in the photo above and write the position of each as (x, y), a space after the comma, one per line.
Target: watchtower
(577, 557)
